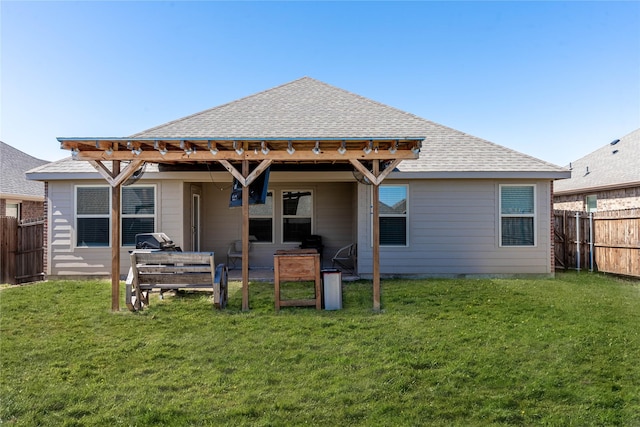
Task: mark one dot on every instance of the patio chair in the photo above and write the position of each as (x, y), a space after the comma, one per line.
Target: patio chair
(346, 258)
(234, 253)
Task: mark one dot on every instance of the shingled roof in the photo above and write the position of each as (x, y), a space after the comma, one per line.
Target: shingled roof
(616, 165)
(13, 183)
(308, 108)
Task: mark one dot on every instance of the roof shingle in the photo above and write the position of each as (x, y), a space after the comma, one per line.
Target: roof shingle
(615, 165)
(13, 164)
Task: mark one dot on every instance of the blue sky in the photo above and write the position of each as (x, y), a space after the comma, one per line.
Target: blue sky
(555, 80)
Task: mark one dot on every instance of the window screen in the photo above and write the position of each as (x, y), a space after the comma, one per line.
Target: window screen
(517, 215)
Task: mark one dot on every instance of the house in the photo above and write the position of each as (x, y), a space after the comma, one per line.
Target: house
(19, 197)
(460, 207)
(604, 180)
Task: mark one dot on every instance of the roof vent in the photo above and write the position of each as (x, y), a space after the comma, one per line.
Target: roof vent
(614, 142)
(587, 172)
(614, 151)
(570, 166)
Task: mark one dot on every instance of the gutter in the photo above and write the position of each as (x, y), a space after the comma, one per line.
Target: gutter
(596, 188)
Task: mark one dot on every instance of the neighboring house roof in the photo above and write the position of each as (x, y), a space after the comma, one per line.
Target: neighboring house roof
(616, 165)
(308, 108)
(13, 182)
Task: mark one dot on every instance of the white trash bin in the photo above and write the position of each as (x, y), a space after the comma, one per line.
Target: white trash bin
(332, 289)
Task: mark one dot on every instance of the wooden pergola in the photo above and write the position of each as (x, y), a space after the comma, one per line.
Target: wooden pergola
(374, 158)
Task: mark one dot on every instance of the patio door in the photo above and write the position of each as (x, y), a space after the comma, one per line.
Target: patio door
(195, 220)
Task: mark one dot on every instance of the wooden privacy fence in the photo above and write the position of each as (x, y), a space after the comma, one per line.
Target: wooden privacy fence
(21, 250)
(607, 241)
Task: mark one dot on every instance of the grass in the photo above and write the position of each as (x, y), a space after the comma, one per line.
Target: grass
(443, 352)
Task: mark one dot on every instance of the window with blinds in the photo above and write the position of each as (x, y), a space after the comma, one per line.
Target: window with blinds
(393, 215)
(261, 220)
(297, 215)
(517, 215)
(138, 212)
(93, 212)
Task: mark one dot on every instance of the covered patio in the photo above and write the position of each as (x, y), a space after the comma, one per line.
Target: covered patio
(118, 159)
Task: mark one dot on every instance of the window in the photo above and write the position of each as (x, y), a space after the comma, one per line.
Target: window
(261, 220)
(93, 214)
(138, 212)
(592, 203)
(93, 207)
(297, 208)
(12, 209)
(517, 215)
(393, 215)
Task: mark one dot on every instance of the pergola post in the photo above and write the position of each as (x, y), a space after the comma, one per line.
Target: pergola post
(245, 238)
(376, 238)
(115, 241)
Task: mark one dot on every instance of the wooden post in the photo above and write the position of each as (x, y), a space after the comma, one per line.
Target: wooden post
(245, 238)
(115, 241)
(376, 239)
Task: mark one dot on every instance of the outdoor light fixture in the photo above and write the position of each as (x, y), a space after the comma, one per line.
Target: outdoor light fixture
(316, 149)
(290, 149)
(161, 147)
(367, 149)
(188, 148)
(375, 150)
(135, 148)
(213, 148)
(343, 148)
(238, 149)
(393, 148)
(74, 152)
(416, 148)
(263, 147)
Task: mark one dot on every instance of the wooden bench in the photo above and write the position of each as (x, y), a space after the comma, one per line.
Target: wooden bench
(166, 270)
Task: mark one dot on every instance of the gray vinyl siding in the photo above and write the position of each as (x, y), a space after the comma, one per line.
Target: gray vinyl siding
(68, 260)
(454, 230)
(453, 227)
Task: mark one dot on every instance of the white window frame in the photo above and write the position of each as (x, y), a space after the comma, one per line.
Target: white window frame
(405, 215)
(154, 215)
(9, 205)
(76, 215)
(272, 216)
(283, 216)
(519, 215)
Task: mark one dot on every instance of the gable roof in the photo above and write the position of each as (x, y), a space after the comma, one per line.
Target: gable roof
(13, 182)
(308, 108)
(312, 109)
(616, 165)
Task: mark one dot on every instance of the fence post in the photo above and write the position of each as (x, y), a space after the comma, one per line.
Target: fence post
(578, 241)
(591, 241)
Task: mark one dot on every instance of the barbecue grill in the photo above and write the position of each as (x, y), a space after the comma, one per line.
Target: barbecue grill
(157, 241)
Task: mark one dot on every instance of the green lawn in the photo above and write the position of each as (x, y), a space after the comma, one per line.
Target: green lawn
(558, 352)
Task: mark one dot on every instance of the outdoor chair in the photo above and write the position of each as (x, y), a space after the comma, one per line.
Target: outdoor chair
(234, 253)
(346, 258)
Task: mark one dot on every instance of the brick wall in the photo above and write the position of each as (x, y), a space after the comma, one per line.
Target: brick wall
(609, 200)
(32, 210)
